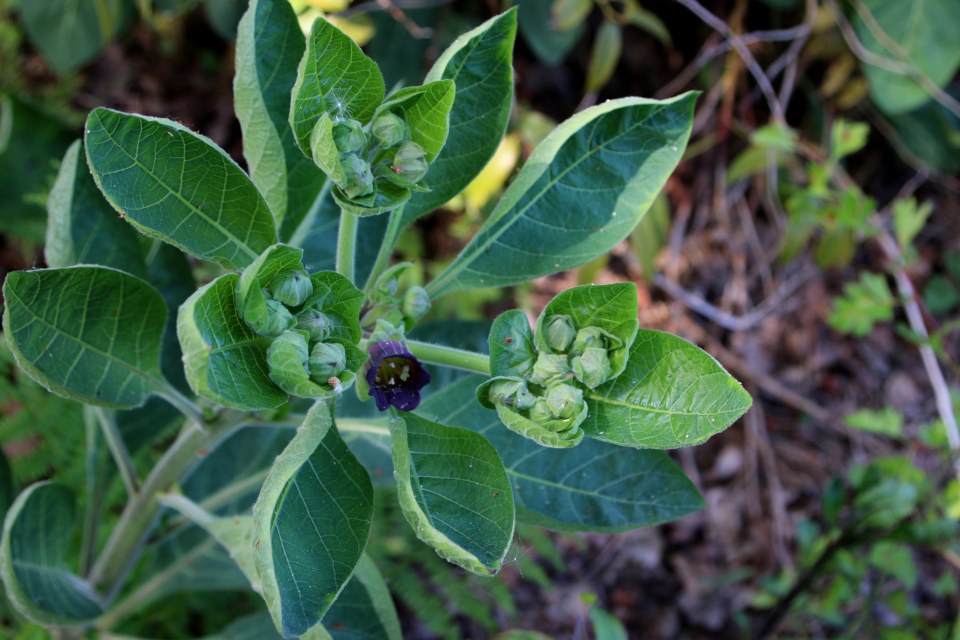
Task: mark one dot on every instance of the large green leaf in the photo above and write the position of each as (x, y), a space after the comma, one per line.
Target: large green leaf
(223, 358)
(479, 62)
(927, 32)
(454, 492)
(537, 27)
(334, 77)
(87, 333)
(83, 228)
(70, 33)
(178, 186)
(37, 530)
(932, 132)
(594, 486)
(311, 524)
(364, 610)
(671, 394)
(270, 45)
(581, 192)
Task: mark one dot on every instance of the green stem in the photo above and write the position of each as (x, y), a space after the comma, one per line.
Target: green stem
(346, 244)
(136, 521)
(450, 357)
(181, 402)
(108, 425)
(394, 228)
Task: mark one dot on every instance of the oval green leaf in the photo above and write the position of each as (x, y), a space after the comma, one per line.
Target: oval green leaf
(70, 33)
(364, 608)
(454, 492)
(671, 394)
(36, 532)
(595, 486)
(584, 188)
(607, 45)
(479, 63)
(334, 77)
(82, 227)
(178, 186)
(270, 45)
(87, 333)
(311, 524)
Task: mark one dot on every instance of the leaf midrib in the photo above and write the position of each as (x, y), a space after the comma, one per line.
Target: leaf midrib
(196, 211)
(113, 359)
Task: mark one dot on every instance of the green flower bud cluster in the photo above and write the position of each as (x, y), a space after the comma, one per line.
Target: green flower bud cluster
(310, 349)
(546, 402)
(583, 354)
(400, 308)
(383, 152)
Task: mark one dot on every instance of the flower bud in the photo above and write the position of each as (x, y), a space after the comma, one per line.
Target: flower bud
(594, 338)
(416, 303)
(279, 319)
(512, 393)
(348, 136)
(559, 332)
(388, 129)
(593, 367)
(291, 288)
(327, 360)
(359, 180)
(314, 322)
(549, 368)
(559, 410)
(410, 163)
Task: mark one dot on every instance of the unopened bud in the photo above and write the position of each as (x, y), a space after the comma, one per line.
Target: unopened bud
(388, 129)
(348, 136)
(594, 338)
(559, 332)
(279, 319)
(314, 322)
(549, 368)
(593, 367)
(564, 401)
(291, 288)
(410, 163)
(512, 393)
(326, 361)
(416, 303)
(359, 178)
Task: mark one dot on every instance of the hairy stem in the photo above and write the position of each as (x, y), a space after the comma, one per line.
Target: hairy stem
(182, 403)
(346, 244)
(450, 357)
(136, 521)
(118, 449)
(390, 237)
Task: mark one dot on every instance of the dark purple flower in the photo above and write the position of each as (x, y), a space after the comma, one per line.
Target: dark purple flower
(395, 376)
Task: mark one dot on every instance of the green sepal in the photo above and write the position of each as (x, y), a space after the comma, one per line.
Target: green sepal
(340, 301)
(610, 307)
(386, 197)
(251, 303)
(324, 151)
(512, 352)
(454, 492)
(501, 388)
(426, 111)
(224, 360)
(384, 170)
